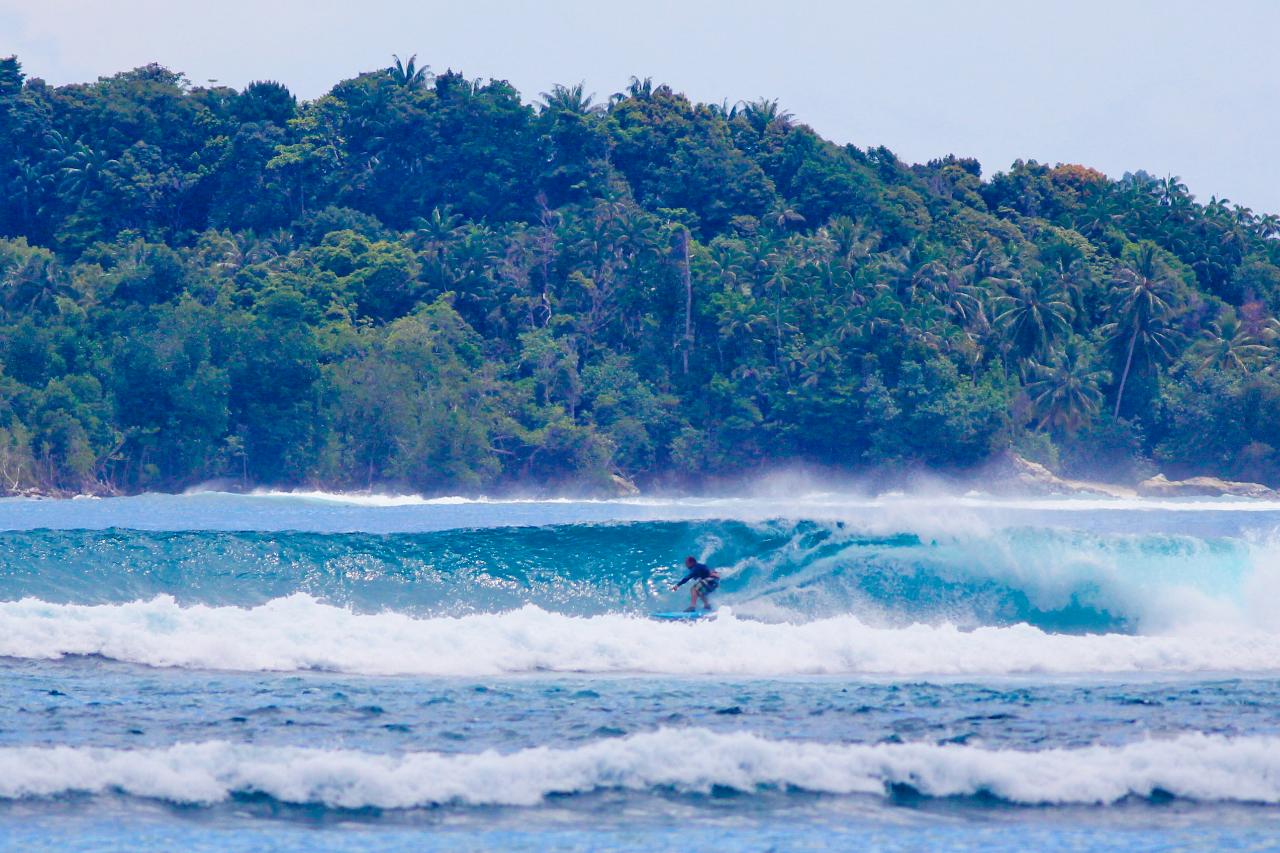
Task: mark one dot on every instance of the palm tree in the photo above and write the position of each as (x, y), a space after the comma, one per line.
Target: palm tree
(1141, 305)
(1230, 346)
(236, 251)
(56, 146)
(929, 277)
(883, 314)
(899, 267)
(778, 281)
(33, 283)
(408, 74)
(1033, 317)
(639, 89)
(782, 216)
(274, 248)
(1172, 192)
(762, 112)
(961, 299)
(1267, 226)
(1219, 209)
(1066, 261)
(1065, 393)
(82, 170)
(570, 99)
(726, 110)
(433, 233)
(985, 266)
(24, 189)
(853, 244)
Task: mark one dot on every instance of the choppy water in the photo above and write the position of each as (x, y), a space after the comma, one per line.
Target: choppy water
(273, 671)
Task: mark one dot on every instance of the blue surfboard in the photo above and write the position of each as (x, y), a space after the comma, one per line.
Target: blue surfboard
(684, 615)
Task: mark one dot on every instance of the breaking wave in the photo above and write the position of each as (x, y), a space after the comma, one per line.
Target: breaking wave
(1057, 580)
(685, 761)
(300, 633)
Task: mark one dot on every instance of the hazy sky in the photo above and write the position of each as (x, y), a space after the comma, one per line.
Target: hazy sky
(1187, 88)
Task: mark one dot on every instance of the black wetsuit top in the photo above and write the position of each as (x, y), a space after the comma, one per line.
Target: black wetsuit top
(697, 572)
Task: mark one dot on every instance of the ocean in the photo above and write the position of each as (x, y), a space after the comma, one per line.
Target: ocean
(309, 671)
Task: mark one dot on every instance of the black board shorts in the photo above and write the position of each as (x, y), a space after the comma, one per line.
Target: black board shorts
(706, 586)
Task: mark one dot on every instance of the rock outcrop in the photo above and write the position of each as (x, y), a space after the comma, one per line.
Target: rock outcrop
(621, 487)
(1162, 487)
(1034, 477)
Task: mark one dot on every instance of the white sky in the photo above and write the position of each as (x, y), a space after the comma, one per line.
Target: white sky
(1170, 86)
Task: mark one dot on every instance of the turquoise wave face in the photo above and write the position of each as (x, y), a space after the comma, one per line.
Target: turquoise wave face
(1063, 581)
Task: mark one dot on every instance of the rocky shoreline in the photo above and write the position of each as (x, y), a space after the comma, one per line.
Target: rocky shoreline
(1038, 479)
(1011, 474)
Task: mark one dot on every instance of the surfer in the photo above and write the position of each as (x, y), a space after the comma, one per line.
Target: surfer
(705, 581)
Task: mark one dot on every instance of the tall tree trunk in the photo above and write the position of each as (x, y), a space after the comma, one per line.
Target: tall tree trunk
(1124, 377)
(687, 277)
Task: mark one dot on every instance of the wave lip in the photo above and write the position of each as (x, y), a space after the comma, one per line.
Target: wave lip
(300, 633)
(1197, 767)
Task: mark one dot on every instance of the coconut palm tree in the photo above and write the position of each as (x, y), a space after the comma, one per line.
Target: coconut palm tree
(961, 298)
(853, 243)
(82, 170)
(1033, 317)
(274, 247)
(570, 99)
(985, 268)
(25, 188)
(1171, 192)
(36, 282)
(1066, 262)
(726, 110)
(433, 233)
(1066, 392)
(1140, 307)
(779, 281)
(409, 74)
(1230, 346)
(763, 112)
(236, 251)
(641, 90)
(783, 217)
(1267, 226)
(930, 277)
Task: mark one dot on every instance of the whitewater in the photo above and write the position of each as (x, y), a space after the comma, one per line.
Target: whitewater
(273, 669)
(1196, 767)
(299, 634)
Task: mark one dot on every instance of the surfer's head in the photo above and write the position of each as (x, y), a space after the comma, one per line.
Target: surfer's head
(690, 562)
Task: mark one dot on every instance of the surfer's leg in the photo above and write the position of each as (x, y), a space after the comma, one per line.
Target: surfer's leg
(705, 591)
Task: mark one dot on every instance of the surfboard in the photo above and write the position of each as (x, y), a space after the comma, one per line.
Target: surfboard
(683, 615)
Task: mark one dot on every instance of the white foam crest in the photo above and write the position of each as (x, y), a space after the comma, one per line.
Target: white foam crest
(363, 499)
(824, 504)
(299, 633)
(391, 499)
(1196, 767)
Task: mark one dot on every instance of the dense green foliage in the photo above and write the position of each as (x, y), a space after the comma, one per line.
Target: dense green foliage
(424, 281)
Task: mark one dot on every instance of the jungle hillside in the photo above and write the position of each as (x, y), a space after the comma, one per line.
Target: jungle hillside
(432, 282)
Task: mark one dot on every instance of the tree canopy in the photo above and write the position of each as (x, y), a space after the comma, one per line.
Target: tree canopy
(422, 280)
